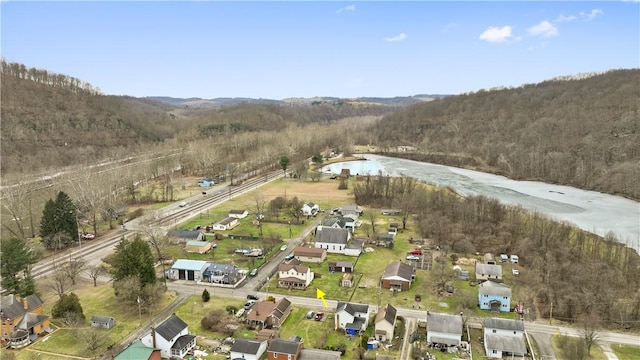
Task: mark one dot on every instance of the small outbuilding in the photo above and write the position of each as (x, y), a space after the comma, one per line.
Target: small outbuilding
(100, 321)
(200, 247)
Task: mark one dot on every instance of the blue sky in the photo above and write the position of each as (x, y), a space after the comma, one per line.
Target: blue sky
(303, 49)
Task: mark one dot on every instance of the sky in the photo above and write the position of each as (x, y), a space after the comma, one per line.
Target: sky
(278, 50)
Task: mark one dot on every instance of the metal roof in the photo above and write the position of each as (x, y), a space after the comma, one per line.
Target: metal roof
(186, 264)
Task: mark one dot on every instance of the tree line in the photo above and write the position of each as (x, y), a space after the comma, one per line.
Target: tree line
(578, 272)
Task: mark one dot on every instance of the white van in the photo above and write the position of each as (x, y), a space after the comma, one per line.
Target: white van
(504, 258)
(514, 259)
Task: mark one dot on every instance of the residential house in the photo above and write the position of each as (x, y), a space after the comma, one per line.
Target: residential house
(22, 320)
(351, 210)
(385, 323)
(269, 314)
(495, 296)
(222, 274)
(398, 276)
(138, 351)
(200, 247)
(225, 224)
(281, 349)
(318, 354)
(310, 209)
(334, 222)
(171, 337)
(352, 318)
(333, 240)
(354, 247)
(294, 276)
(341, 266)
(347, 280)
(504, 338)
(185, 269)
(182, 236)
(385, 240)
(106, 322)
(350, 222)
(488, 271)
(444, 329)
(248, 349)
(238, 214)
(312, 255)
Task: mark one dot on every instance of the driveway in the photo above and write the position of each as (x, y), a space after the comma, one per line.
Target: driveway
(543, 344)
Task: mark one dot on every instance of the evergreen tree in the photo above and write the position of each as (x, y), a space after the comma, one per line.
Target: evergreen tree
(317, 158)
(59, 226)
(133, 258)
(67, 304)
(284, 163)
(15, 267)
(205, 296)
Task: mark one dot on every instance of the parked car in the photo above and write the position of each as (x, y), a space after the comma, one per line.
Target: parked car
(289, 257)
(88, 236)
(253, 272)
(283, 247)
(183, 203)
(311, 314)
(415, 252)
(319, 316)
(252, 297)
(249, 304)
(413, 257)
(515, 272)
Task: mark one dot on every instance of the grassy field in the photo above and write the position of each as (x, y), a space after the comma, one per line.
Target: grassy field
(626, 352)
(98, 300)
(562, 343)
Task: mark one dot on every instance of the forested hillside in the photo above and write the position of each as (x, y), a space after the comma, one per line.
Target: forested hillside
(584, 133)
(51, 120)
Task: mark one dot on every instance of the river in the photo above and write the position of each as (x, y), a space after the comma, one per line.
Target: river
(589, 210)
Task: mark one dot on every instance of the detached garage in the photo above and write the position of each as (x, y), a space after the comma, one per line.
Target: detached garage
(200, 247)
(188, 270)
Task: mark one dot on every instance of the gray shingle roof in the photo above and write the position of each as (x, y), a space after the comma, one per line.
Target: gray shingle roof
(444, 323)
(489, 269)
(283, 346)
(184, 234)
(512, 344)
(182, 341)
(171, 327)
(398, 269)
(352, 308)
(246, 346)
(503, 324)
(332, 236)
(387, 313)
(11, 307)
(494, 288)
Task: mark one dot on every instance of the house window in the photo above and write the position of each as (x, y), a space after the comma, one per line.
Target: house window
(493, 331)
(494, 351)
(333, 247)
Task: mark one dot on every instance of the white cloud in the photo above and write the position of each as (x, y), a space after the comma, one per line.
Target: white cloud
(400, 37)
(591, 15)
(544, 28)
(495, 34)
(565, 18)
(347, 8)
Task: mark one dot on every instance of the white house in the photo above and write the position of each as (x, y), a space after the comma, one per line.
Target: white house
(444, 329)
(504, 337)
(293, 275)
(248, 349)
(310, 209)
(488, 271)
(171, 337)
(238, 214)
(225, 224)
(337, 241)
(352, 318)
(385, 323)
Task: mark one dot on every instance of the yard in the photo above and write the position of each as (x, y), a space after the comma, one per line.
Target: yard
(98, 300)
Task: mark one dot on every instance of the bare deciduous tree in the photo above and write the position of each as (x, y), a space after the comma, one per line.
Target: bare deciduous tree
(94, 272)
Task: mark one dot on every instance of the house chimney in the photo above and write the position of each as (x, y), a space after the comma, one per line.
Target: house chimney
(25, 303)
(153, 337)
